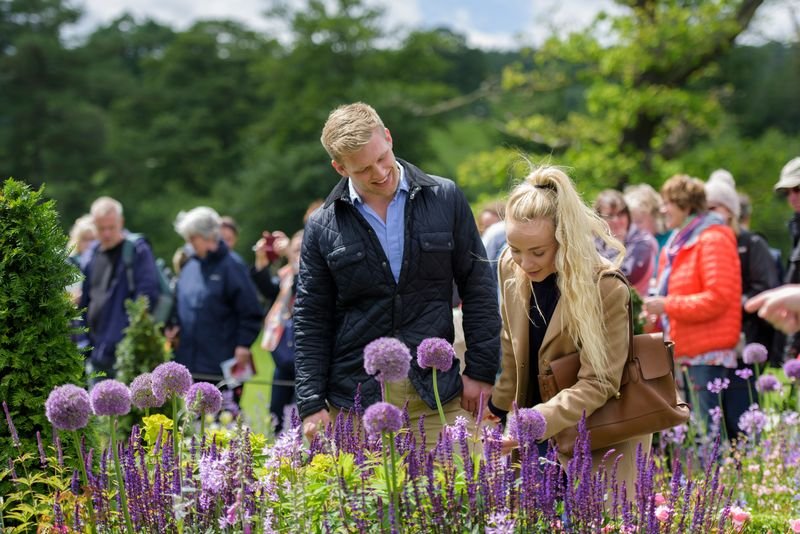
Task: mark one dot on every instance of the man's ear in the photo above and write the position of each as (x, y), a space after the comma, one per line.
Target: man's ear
(339, 168)
(388, 136)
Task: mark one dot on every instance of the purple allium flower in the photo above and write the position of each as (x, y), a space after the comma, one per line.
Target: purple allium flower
(110, 397)
(68, 407)
(142, 392)
(436, 353)
(170, 378)
(382, 417)
(792, 369)
(716, 415)
(388, 359)
(752, 421)
(767, 383)
(676, 434)
(526, 423)
(744, 373)
(717, 385)
(203, 398)
(754, 353)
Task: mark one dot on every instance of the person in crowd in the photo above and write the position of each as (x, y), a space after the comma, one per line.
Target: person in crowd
(229, 232)
(278, 337)
(758, 273)
(780, 306)
(558, 294)
(644, 205)
(218, 314)
(640, 246)
(698, 304)
(269, 248)
(109, 282)
(378, 260)
(490, 214)
(789, 185)
(81, 237)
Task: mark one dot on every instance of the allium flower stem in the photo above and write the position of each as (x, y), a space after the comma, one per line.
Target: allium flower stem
(438, 400)
(112, 420)
(722, 428)
(85, 478)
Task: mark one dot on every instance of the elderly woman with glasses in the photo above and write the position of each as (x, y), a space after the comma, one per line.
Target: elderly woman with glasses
(638, 263)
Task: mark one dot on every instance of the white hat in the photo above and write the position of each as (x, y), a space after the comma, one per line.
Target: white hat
(719, 191)
(790, 175)
(724, 175)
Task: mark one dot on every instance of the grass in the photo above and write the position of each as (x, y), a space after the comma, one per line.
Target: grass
(256, 394)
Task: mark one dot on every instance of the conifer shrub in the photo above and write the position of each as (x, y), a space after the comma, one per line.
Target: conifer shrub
(36, 352)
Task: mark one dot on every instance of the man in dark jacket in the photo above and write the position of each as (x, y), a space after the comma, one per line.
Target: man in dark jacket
(109, 283)
(378, 260)
(218, 312)
(789, 185)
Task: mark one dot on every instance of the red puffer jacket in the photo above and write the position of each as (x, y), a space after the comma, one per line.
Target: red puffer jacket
(703, 300)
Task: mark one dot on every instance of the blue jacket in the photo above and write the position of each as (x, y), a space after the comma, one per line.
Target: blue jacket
(218, 310)
(347, 295)
(104, 338)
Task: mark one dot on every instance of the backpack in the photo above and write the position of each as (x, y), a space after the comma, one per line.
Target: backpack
(162, 309)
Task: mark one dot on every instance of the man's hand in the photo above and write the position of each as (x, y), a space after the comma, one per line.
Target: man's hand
(471, 395)
(314, 422)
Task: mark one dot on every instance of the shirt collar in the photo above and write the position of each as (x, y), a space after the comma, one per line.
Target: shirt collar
(356, 198)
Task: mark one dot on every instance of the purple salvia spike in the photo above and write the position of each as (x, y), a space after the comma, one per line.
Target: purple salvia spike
(14, 436)
(42, 456)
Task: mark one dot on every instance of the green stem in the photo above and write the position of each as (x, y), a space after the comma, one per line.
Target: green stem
(389, 483)
(438, 400)
(202, 426)
(722, 428)
(85, 477)
(175, 440)
(118, 469)
(386, 392)
(395, 489)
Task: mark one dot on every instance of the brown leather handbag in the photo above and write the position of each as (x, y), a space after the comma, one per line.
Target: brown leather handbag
(647, 400)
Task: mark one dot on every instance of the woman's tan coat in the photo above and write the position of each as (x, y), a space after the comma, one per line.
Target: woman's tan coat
(566, 408)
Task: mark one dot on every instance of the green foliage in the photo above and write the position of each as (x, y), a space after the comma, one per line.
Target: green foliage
(143, 346)
(36, 353)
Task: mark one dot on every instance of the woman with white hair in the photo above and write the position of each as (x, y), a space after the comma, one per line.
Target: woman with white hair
(218, 313)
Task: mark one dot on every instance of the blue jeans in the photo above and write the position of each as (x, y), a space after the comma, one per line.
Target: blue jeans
(735, 399)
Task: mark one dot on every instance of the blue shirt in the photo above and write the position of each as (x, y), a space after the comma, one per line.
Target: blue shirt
(392, 232)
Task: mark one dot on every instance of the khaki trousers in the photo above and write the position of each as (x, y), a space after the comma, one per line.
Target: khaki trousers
(400, 392)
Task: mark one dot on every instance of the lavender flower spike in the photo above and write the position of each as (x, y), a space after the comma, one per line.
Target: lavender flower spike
(792, 369)
(436, 353)
(11, 427)
(142, 392)
(754, 353)
(526, 423)
(388, 359)
(170, 378)
(110, 397)
(68, 407)
(203, 398)
(382, 417)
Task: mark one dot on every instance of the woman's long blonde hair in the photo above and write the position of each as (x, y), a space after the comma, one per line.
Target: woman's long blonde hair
(547, 192)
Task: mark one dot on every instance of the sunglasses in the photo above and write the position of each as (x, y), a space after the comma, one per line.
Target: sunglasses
(795, 189)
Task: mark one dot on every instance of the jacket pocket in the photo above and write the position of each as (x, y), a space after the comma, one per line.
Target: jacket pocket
(436, 250)
(345, 256)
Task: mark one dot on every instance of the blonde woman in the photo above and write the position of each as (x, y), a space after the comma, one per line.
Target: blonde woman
(557, 295)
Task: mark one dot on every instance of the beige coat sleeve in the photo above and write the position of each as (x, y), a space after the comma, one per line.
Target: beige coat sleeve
(566, 408)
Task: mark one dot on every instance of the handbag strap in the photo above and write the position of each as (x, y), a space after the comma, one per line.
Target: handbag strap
(618, 274)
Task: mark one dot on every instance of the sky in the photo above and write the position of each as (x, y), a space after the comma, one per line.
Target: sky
(498, 24)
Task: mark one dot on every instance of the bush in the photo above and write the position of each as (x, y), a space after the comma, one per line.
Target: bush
(142, 348)
(36, 352)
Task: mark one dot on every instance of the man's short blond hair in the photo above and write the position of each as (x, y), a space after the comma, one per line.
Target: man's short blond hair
(349, 128)
(105, 206)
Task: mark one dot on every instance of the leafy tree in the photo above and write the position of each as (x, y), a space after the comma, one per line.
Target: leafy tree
(640, 71)
(36, 353)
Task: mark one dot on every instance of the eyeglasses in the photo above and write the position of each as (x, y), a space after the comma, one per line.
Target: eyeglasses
(616, 215)
(795, 189)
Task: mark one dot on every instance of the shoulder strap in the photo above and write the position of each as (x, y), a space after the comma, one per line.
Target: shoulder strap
(128, 251)
(618, 274)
